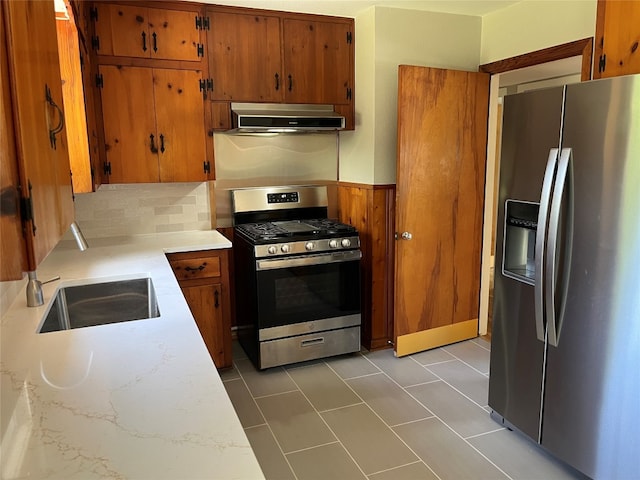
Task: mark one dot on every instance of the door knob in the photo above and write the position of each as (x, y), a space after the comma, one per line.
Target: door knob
(407, 236)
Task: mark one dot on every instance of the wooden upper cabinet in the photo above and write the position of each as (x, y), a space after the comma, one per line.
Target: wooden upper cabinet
(153, 125)
(617, 49)
(13, 254)
(278, 57)
(318, 61)
(33, 80)
(128, 114)
(180, 123)
(244, 57)
(138, 31)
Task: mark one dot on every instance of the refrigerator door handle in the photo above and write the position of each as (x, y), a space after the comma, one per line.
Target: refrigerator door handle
(541, 238)
(554, 317)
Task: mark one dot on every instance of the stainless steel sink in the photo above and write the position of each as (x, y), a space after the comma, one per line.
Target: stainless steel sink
(101, 303)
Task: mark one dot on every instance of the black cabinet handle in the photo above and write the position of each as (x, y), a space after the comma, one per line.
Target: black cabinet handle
(144, 42)
(155, 42)
(162, 143)
(58, 128)
(290, 83)
(196, 269)
(216, 299)
(153, 146)
(277, 82)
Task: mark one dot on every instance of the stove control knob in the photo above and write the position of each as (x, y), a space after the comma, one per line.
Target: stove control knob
(284, 248)
(346, 243)
(333, 243)
(310, 246)
(272, 250)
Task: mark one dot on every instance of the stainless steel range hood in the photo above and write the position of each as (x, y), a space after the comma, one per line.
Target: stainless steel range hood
(284, 118)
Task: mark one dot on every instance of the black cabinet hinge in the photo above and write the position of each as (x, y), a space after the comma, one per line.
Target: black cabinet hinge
(200, 47)
(349, 38)
(26, 210)
(107, 168)
(207, 166)
(202, 23)
(93, 13)
(206, 84)
(95, 42)
(348, 93)
(99, 80)
(602, 64)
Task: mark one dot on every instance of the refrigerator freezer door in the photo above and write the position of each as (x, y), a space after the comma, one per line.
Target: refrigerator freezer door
(592, 387)
(531, 128)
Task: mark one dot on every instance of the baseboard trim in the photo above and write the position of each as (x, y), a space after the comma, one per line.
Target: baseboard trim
(436, 337)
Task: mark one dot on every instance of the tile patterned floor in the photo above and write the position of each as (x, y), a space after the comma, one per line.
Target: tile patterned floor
(377, 417)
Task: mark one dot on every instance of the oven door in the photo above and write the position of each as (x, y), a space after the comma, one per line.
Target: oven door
(308, 288)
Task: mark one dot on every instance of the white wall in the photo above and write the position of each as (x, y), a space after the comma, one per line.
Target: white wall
(532, 25)
(385, 38)
(357, 148)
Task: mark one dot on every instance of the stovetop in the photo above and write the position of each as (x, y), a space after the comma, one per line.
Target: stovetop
(289, 230)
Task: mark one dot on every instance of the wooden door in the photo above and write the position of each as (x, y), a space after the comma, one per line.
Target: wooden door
(179, 108)
(129, 123)
(244, 57)
(317, 61)
(617, 38)
(122, 30)
(33, 67)
(442, 138)
(173, 35)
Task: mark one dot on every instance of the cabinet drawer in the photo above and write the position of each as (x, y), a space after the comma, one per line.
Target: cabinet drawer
(197, 267)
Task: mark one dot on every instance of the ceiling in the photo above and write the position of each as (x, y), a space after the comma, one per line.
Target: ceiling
(352, 8)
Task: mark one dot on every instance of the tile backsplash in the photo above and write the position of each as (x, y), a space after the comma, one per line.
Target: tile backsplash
(143, 208)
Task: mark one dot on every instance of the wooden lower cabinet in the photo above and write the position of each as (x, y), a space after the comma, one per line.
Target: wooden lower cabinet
(204, 279)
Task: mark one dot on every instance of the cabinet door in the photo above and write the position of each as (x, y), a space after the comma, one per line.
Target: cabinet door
(74, 105)
(317, 61)
(207, 307)
(179, 110)
(617, 38)
(244, 57)
(129, 124)
(13, 256)
(173, 35)
(135, 31)
(122, 30)
(33, 66)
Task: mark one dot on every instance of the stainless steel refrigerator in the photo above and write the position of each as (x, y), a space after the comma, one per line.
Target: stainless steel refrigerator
(565, 346)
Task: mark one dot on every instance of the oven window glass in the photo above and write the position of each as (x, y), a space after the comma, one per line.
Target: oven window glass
(301, 294)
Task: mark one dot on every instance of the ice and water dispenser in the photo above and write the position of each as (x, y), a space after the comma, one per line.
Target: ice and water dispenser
(520, 225)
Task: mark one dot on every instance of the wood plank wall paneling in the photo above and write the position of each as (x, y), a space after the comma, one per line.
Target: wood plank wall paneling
(370, 208)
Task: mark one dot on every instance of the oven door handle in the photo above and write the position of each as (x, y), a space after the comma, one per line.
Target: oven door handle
(308, 260)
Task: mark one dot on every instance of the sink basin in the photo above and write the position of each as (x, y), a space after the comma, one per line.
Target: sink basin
(101, 303)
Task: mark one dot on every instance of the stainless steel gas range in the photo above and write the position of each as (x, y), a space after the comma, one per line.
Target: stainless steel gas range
(297, 276)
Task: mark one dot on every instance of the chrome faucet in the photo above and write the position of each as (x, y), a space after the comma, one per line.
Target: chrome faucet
(34, 286)
(34, 289)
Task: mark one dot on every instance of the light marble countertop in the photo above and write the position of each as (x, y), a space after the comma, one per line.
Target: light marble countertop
(135, 400)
